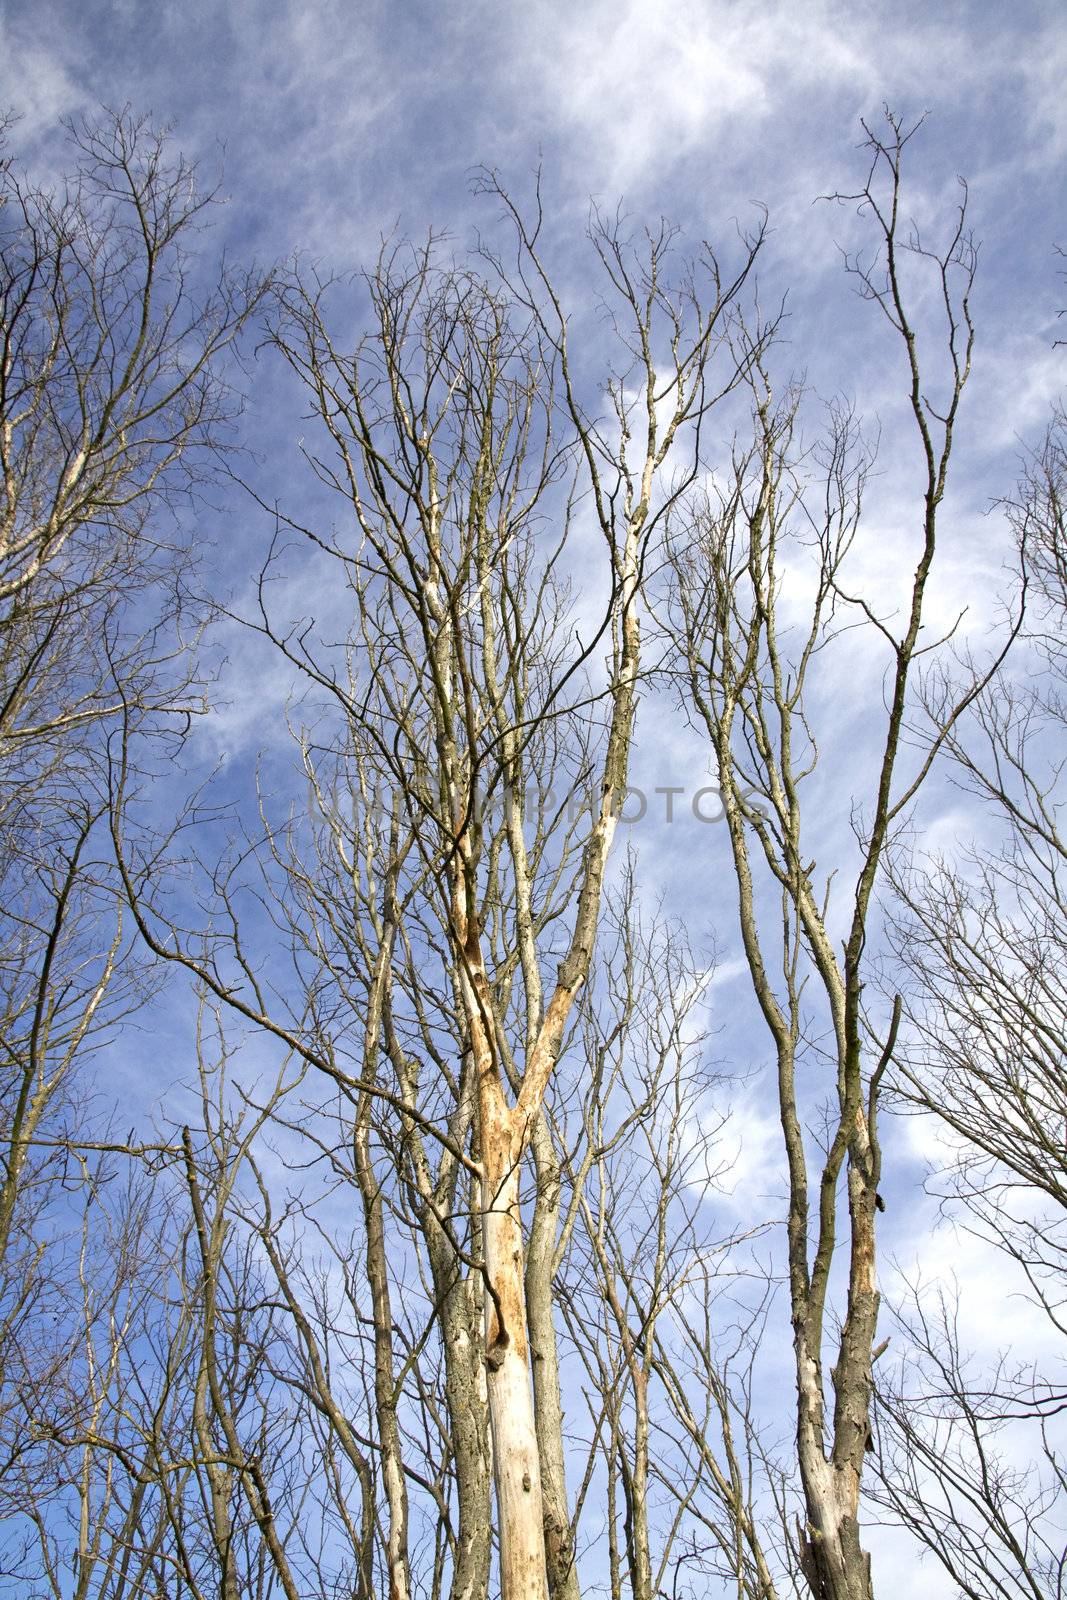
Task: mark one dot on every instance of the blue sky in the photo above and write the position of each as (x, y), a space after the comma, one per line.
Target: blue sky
(339, 118)
(338, 122)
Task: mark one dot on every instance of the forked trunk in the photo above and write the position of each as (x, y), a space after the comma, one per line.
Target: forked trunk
(832, 1557)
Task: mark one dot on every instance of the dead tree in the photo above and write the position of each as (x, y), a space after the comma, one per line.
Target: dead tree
(112, 400)
(115, 336)
(748, 670)
(459, 444)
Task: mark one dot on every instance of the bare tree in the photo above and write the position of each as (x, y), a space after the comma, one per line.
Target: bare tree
(112, 399)
(113, 402)
(967, 1456)
(657, 1308)
(176, 1448)
(451, 434)
(979, 939)
(435, 455)
(749, 677)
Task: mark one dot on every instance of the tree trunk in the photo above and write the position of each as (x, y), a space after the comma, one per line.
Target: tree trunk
(384, 1379)
(548, 1406)
(832, 1558)
(516, 1462)
(460, 1299)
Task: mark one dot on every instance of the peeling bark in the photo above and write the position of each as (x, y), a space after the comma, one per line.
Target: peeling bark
(516, 1459)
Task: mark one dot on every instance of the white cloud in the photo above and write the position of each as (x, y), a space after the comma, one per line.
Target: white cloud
(35, 83)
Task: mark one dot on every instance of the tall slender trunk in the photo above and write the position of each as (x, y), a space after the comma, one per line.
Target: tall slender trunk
(637, 1486)
(833, 1559)
(544, 1352)
(219, 1487)
(459, 1298)
(396, 1495)
(248, 1468)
